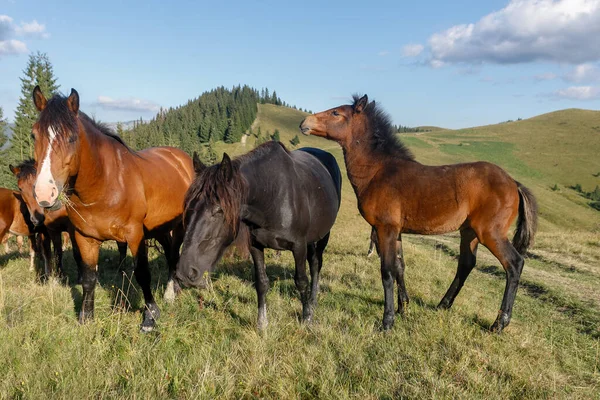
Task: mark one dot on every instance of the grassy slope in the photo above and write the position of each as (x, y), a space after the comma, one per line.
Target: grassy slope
(207, 345)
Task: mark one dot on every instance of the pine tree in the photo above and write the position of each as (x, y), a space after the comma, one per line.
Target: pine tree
(295, 141)
(38, 72)
(210, 157)
(275, 137)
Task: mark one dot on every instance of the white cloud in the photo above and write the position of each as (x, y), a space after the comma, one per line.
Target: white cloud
(561, 31)
(32, 29)
(383, 53)
(584, 73)
(579, 93)
(412, 50)
(9, 30)
(12, 47)
(128, 104)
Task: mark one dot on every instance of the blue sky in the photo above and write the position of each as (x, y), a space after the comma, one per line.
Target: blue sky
(452, 64)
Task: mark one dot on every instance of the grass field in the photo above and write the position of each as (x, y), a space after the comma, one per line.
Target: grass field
(207, 345)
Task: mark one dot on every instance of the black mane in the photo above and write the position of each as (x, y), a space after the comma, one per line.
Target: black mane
(58, 116)
(383, 138)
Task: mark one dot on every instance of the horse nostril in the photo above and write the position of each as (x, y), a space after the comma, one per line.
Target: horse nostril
(44, 204)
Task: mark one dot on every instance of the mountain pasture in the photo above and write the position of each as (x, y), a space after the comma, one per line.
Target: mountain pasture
(206, 344)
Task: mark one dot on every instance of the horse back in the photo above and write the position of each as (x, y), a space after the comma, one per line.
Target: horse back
(320, 180)
(330, 163)
(166, 174)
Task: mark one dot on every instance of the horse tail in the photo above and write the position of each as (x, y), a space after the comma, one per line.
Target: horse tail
(527, 220)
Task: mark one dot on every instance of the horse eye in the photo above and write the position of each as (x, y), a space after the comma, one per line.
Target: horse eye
(73, 139)
(335, 113)
(32, 136)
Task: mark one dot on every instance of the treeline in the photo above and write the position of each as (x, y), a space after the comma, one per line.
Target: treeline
(407, 129)
(220, 114)
(594, 195)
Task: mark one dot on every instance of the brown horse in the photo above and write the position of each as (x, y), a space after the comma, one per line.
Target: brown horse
(14, 220)
(396, 195)
(56, 222)
(110, 192)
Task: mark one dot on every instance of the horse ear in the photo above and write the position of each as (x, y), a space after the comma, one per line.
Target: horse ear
(226, 167)
(361, 104)
(73, 101)
(14, 170)
(198, 165)
(39, 99)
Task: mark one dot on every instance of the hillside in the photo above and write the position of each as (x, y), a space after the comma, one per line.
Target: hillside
(557, 148)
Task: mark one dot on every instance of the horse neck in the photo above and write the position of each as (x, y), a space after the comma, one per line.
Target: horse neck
(361, 164)
(90, 173)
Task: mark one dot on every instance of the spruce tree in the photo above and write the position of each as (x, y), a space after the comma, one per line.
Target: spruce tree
(38, 72)
(275, 137)
(295, 141)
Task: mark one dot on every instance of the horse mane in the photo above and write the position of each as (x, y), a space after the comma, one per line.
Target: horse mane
(26, 169)
(382, 138)
(58, 116)
(213, 186)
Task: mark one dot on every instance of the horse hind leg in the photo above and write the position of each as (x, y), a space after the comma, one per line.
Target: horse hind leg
(261, 282)
(512, 262)
(315, 262)
(400, 266)
(466, 263)
(301, 279)
(19, 240)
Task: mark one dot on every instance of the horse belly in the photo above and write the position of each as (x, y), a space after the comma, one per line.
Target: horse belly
(434, 224)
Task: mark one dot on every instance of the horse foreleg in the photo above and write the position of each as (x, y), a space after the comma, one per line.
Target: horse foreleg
(387, 240)
(172, 253)
(466, 263)
(33, 249)
(138, 248)
(45, 248)
(76, 254)
(122, 255)
(89, 249)
(261, 282)
(57, 243)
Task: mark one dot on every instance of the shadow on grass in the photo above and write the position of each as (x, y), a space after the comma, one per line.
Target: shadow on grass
(586, 316)
(6, 257)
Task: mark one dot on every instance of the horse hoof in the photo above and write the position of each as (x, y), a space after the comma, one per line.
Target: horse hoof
(85, 316)
(500, 323)
(388, 323)
(147, 326)
(262, 325)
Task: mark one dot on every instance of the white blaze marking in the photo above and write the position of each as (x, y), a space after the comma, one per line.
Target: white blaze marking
(45, 175)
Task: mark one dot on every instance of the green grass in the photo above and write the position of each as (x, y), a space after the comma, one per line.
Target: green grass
(207, 346)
